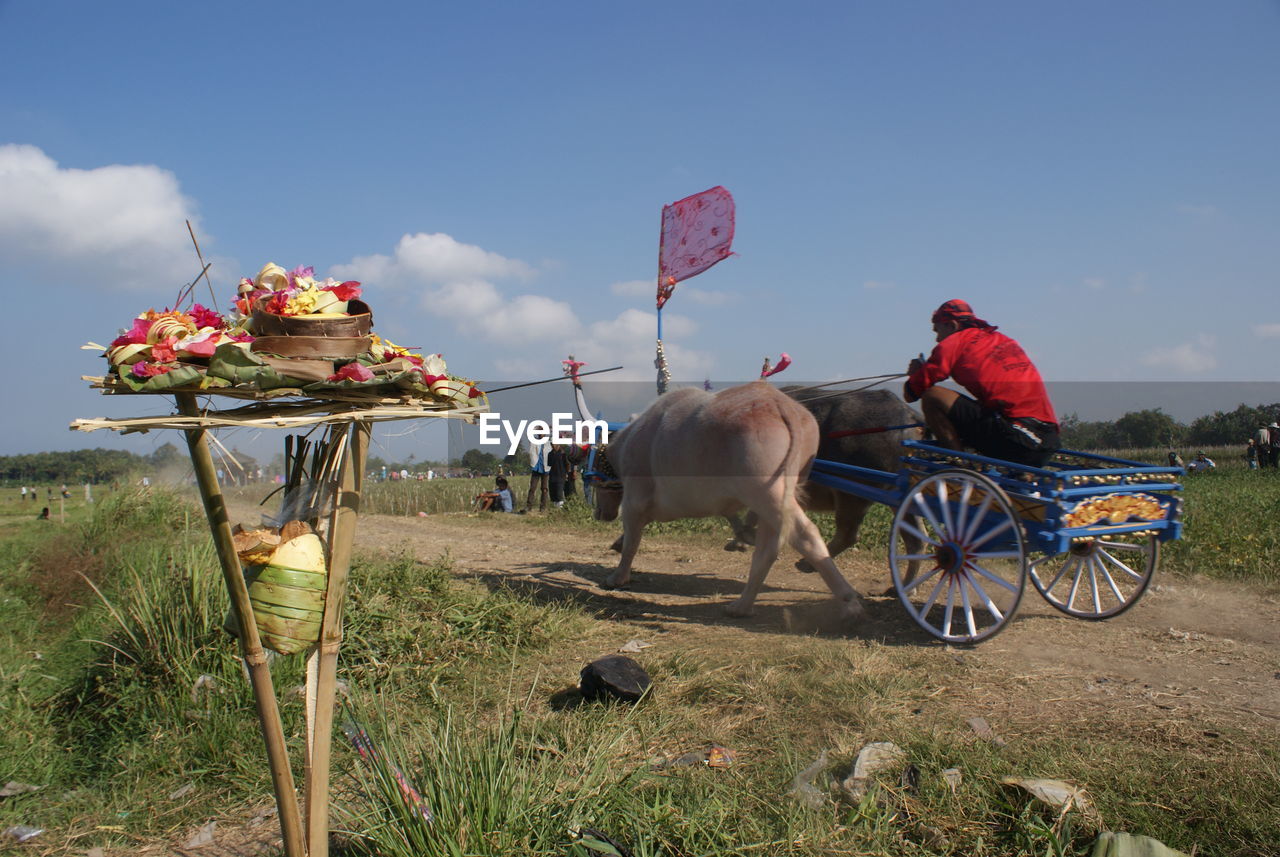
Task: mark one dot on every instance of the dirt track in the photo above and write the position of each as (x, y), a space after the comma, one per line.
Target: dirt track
(1209, 650)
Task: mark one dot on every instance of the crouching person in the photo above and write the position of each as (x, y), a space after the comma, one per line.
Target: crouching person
(500, 499)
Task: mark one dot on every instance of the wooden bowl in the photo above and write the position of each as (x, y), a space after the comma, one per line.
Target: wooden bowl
(315, 347)
(357, 322)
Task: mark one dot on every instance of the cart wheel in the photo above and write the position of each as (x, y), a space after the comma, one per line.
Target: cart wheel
(1098, 578)
(971, 547)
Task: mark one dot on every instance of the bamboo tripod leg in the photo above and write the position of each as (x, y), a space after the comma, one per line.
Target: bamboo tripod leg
(251, 646)
(342, 529)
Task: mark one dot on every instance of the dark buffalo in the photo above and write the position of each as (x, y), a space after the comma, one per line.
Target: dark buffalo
(881, 450)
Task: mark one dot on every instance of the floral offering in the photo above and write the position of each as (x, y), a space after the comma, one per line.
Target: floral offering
(294, 293)
(201, 349)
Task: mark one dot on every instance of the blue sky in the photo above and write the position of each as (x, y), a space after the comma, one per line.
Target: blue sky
(1098, 178)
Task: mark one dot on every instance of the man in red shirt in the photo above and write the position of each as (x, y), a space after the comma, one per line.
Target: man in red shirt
(1012, 418)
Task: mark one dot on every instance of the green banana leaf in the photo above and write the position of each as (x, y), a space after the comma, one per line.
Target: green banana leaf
(234, 362)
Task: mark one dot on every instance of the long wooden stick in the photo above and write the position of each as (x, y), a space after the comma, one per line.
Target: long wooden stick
(250, 644)
(342, 527)
(205, 272)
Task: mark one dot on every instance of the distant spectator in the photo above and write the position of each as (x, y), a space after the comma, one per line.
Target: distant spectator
(1200, 463)
(537, 475)
(498, 500)
(1262, 440)
(1251, 454)
(1273, 444)
(557, 470)
(1175, 460)
(44, 514)
(24, 492)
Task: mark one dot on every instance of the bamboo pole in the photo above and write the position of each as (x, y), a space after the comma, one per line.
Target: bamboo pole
(250, 644)
(342, 526)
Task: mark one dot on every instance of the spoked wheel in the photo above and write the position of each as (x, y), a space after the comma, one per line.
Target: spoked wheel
(970, 550)
(1098, 578)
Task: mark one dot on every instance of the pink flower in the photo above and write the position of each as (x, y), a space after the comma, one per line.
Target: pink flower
(352, 372)
(205, 317)
(200, 346)
(279, 301)
(163, 351)
(300, 271)
(346, 291)
(143, 369)
(135, 334)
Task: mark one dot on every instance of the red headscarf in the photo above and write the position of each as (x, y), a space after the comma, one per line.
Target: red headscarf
(958, 310)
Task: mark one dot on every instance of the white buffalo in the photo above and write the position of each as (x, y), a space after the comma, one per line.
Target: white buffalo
(693, 454)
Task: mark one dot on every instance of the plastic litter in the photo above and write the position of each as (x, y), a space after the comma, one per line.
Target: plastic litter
(22, 832)
(802, 788)
(1058, 794)
(204, 836)
(873, 758)
(953, 778)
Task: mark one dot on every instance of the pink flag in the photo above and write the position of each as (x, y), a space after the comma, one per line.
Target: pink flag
(783, 362)
(697, 232)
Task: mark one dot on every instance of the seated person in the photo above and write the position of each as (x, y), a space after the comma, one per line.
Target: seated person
(498, 500)
(1200, 462)
(1012, 418)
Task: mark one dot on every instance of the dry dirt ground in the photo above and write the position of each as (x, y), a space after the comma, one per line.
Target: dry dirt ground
(1195, 655)
(1200, 647)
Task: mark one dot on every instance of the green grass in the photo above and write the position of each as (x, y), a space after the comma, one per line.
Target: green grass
(467, 690)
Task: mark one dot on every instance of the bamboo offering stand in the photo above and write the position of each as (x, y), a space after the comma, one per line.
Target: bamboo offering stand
(337, 473)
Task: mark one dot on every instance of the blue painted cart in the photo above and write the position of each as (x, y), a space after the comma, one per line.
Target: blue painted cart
(969, 531)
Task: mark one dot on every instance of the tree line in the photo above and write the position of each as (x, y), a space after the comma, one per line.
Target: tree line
(1146, 428)
(1153, 427)
(76, 466)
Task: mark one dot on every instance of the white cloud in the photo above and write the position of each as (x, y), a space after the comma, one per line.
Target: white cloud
(1189, 357)
(432, 259)
(630, 340)
(1266, 331)
(477, 308)
(1094, 283)
(455, 280)
(116, 226)
(527, 335)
